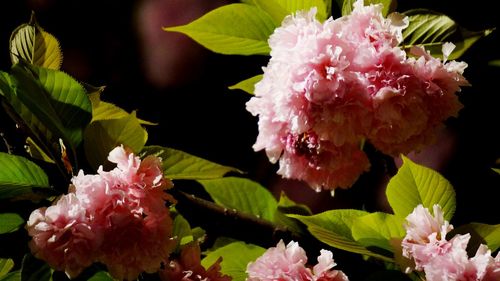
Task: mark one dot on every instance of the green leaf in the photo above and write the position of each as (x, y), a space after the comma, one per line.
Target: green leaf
(34, 269)
(432, 29)
(12, 276)
(20, 178)
(481, 234)
(496, 170)
(69, 100)
(9, 223)
(279, 9)
(100, 137)
(334, 228)
(235, 258)
(106, 111)
(415, 184)
(377, 229)
(287, 206)
(177, 164)
(182, 230)
(101, 276)
(387, 6)
(243, 195)
(247, 85)
(235, 29)
(31, 43)
(5, 266)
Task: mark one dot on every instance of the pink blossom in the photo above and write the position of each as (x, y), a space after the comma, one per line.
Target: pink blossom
(445, 260)
(63, 235)
(120, 213)
(289, 263)
(329, 86)
(188, 267)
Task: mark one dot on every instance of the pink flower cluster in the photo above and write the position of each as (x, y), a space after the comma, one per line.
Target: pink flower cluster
(330, 86)
(118, 218)
(445, 260)
(289, 263)
(188, 267)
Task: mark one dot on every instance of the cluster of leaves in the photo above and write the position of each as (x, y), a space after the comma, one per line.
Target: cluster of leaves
(244, 28)
(66, 126)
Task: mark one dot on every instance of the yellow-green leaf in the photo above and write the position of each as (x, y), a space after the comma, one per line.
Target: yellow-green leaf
(235, 258)
(178, 165)
(377, 230)
(33, 44)
(237, 29)
(102, 136)
(243, 195)
(5, 266)
(102, 110)
(9, 222)
(247, 85)
(415, 184)
(432, 29)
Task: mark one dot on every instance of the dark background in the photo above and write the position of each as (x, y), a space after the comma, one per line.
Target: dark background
(171, 80)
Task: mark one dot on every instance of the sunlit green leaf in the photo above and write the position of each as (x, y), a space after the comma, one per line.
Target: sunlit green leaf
(387, 6)
(102, 110)
(9, 223)
(237, 29)
(20, 177)
(177, 164)
(279, 9)
(5, 266)
(102, 136)
(34, 269)
(334, 228)
(377, 229)
(243, 195)
(33, 44)
(415, 184)
(432, 29)
(69, 100)
(235, 258)
(247, 85)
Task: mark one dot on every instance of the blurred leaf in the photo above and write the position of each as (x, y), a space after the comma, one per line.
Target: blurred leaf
(101, 276)
(235, 258)
(5, 265)
(31, 43)
(177, 164)
(247, 85)
(234, 29)
(12, 276)
(34, 269)
(243, 195)
(415, 184)
(388, 6)
(496, 170)
(9, 222)
(20, 177)
(334, 228)
(480, 234)
(497, 64)
(102, 136)
(432, 29)
(106, 111)
(377, 229)
(279, 9)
